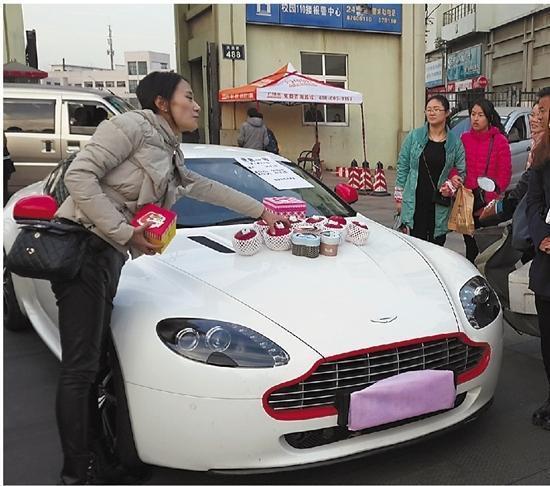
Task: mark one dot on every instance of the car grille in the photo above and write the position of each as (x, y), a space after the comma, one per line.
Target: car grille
(355, 373)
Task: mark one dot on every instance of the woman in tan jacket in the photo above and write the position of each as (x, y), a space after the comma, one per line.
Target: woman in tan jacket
(132, 159)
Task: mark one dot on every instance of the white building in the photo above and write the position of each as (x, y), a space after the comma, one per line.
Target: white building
(503, 48)
(141, 63)
(121, 81)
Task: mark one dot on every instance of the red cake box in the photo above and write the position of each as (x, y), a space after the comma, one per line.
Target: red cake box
(286, 206)
(163, 228)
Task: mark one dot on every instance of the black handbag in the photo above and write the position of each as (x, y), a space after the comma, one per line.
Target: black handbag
(48, 250)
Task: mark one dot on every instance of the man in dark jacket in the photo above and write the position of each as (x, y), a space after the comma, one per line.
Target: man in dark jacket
(253, 132)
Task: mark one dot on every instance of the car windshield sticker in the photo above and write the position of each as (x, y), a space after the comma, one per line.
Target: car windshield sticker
(273, 172)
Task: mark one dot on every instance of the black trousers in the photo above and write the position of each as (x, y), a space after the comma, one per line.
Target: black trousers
(424, 225)
(85, 305)
(543, 311)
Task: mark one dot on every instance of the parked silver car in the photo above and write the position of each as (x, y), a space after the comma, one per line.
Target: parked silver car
(516, 124)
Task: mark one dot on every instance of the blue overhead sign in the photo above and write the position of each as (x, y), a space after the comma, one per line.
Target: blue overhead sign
(384, 18)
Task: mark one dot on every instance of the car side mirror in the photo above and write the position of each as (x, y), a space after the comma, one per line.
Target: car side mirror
(35, 207)
(347, 193)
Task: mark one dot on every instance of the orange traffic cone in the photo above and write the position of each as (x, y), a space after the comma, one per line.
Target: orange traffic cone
(380, 184)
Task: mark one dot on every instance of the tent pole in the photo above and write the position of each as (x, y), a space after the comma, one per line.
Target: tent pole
(363, 133)
(316, 126)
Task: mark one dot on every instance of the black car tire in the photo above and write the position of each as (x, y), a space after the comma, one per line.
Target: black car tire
(14, 319)
(115, 417)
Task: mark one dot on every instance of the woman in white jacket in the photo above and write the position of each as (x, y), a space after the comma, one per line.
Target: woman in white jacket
(132, 160)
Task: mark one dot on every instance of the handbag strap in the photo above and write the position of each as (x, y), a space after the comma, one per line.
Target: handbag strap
(428, 169)
(491, 142)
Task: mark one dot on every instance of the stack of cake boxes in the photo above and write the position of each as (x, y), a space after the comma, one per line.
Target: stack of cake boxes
(286, 206)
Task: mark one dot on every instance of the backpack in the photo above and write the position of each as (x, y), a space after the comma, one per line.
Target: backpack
(55, 184)
(272, 146)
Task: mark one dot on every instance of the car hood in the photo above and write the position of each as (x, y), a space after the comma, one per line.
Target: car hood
(383, 292)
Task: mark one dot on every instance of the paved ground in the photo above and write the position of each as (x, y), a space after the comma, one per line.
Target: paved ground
(502, 447)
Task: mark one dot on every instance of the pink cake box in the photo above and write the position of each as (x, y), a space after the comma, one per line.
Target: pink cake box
(286, 206)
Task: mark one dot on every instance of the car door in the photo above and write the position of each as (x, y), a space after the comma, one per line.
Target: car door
(79, 120)
(520, 144)
(32, 126)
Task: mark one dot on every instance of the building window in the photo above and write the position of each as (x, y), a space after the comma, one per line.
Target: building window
(164, 65)
(78, 85)
(57, 84)
(88, 84)
(99, 84)
(142, 67)
(29, 116)
(109, 84)
(132, 85)
(330, 69)
(121, 84)
(132, 67)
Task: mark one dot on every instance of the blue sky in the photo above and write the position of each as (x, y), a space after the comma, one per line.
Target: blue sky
(79, 32)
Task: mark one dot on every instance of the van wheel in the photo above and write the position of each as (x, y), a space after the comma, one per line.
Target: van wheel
(14, 319)
(115, 418)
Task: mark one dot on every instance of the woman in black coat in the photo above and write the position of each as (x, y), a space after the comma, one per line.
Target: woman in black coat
(538, 214)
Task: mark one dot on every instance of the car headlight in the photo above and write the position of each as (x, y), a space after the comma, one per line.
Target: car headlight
(479, 301)
(220, 343)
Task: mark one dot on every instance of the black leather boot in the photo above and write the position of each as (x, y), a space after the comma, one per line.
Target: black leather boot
(76, 470)
(541, 416)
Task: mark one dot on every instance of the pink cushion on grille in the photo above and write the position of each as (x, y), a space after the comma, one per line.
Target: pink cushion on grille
(400, 397)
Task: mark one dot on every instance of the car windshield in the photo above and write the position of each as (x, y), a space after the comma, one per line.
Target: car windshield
(121, 105)
(192, 213)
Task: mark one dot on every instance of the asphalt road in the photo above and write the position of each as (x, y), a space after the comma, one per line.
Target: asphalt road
(501, 447)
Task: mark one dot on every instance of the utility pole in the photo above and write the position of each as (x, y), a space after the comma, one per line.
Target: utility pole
(110, 51)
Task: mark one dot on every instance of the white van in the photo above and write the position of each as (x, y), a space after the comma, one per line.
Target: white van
(45, 124)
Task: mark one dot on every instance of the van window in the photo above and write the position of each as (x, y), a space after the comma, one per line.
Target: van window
(29, 116)
(85, 116)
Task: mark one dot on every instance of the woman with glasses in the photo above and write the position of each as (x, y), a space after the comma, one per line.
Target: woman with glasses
(423, 190)
(488, 162)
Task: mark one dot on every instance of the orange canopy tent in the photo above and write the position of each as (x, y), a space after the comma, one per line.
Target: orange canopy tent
(287, 85)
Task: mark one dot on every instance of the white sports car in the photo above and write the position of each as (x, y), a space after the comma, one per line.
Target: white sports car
(229, 363)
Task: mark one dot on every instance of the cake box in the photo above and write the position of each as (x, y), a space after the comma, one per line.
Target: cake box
(286, 206)
(163, 228)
